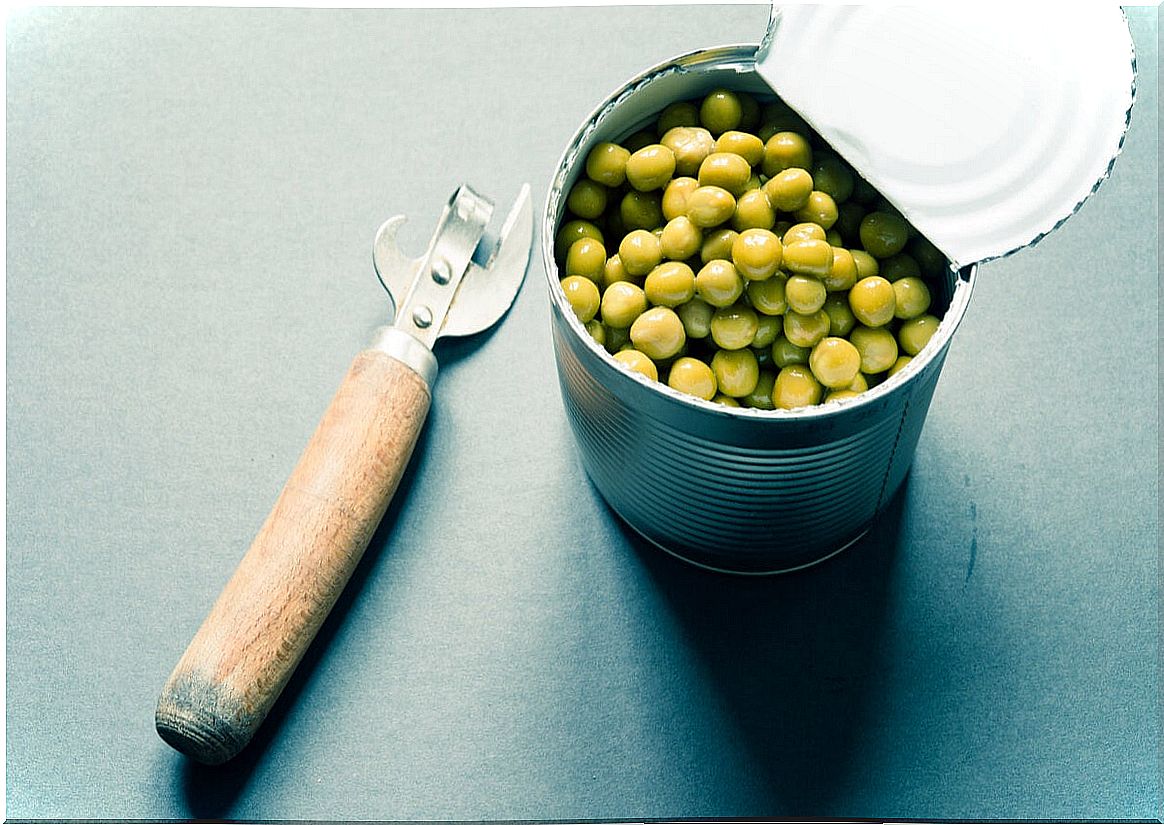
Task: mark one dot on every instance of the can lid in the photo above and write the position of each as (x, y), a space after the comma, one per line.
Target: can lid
(986, 126)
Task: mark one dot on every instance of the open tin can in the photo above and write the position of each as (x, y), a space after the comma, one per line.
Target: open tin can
(739, 489)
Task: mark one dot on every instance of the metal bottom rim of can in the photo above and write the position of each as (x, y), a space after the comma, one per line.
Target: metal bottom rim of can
(736, 572)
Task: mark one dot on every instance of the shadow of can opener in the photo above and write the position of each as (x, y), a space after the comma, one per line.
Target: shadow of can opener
(271, 608)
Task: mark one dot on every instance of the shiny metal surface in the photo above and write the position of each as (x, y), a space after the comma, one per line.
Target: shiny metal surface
(974, 160)
(474, 294)
(408, 351)
(744, 490)
(426, 304)
(489, 288)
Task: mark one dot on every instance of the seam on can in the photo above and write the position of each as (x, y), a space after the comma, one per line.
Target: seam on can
(893, 453)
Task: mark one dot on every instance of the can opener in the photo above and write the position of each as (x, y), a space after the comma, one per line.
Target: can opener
(270, 610)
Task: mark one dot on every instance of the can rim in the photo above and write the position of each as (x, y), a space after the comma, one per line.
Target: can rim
(721, 57)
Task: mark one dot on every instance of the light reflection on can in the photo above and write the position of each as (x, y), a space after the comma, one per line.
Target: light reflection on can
(735, 489)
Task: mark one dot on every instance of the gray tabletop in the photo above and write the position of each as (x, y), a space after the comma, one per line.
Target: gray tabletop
(192, 195)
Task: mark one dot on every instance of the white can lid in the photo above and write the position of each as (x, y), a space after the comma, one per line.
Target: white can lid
(986, 126)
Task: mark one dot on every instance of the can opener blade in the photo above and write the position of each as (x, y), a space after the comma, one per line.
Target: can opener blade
(462, 284)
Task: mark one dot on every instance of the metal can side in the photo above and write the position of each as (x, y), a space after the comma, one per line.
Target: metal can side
(731, 489)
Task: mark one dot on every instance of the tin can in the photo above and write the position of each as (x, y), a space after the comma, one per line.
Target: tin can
(730, 489)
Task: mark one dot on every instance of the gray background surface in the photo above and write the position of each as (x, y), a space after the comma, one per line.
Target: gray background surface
(192, 196)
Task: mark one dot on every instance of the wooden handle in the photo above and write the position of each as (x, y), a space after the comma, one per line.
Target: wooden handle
(247, 648)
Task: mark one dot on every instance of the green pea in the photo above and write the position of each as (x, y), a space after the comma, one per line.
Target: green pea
(640, 252)
(901, 265)
(725, 170)
(606, 164)
(835, 362)
(877, 346)
(587, 199)
(670, 284)
(719, 283)
(622, 303)
(917, 332)
(690, 145)
(911, 298)
(614, 271)
(873, 301)
(683, 113)
(586, 257)
(757, 254)
(761, 397)
(843, 272)
(786, 150)
(803, 232)
(747, 146)
(788, 189)
(806, 330)
(901, 363)
(866, 264)
(930, 260)
(753, 211)
(597, 331)
(784, 352)
(833, 177)
(693, 377)
(721, 111)
(768, 296)
(883, 234)
(710, 206)
(736, 371)
(674, 202)
(795, 387)
(696, 317)
(617, 338)
(734, 327)
(641, 210)
(768, 329)
(841, 317)
(808, 258)
(582, 294)
(572, 231)
(658, 333)
(804, 294)
(650, 167)
(681, 239)
(819, 209)
(634, 360)
(717, 244)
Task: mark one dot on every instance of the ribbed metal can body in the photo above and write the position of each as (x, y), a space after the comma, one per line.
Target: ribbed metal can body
(736, 489)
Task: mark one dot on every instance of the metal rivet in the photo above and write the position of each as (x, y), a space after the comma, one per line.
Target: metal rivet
(442, 273)
(422, 317)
